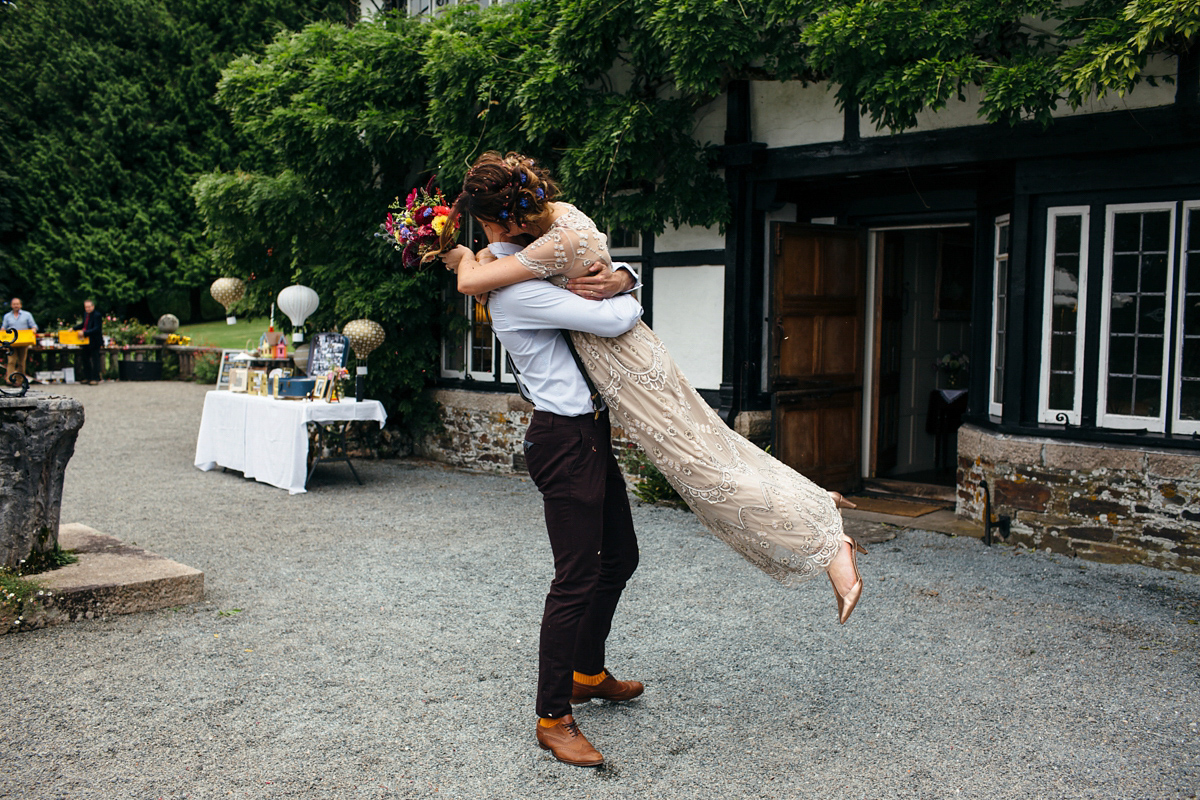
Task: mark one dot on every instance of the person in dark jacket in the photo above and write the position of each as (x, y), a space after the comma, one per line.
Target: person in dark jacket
(92, 327)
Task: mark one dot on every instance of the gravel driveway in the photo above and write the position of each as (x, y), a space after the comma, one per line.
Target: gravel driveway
(380, 641)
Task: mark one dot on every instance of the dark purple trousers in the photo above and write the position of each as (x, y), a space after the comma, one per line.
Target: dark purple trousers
(595, 549)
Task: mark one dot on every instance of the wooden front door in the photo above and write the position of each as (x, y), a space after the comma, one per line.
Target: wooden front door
(817, 352)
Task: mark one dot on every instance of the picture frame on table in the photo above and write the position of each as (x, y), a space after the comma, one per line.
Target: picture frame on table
(320, 389)
(258, 382)
(239, 379)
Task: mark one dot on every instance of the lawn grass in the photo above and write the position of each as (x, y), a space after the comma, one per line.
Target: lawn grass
(220, 334)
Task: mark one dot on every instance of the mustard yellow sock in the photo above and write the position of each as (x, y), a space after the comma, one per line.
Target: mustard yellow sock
(591, 680)
(548, 723)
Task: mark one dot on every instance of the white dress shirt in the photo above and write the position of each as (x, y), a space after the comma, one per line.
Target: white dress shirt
(529, 318)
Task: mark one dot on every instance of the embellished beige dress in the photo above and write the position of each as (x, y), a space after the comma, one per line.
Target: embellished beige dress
(780, 521)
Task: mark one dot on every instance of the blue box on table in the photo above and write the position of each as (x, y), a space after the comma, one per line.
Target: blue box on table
(295, 388)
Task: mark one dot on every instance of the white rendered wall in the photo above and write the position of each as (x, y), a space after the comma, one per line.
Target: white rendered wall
(959, 114)
(689, 316)
(689, 238)
(786, 113)
(710, 122)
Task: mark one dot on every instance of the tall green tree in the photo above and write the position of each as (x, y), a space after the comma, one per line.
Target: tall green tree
(106, 119)
(335, 118)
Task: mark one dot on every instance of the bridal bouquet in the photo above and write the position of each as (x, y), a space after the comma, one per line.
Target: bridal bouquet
(415, 226)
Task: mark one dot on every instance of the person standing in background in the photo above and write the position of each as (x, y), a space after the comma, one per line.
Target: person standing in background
(92, 328)
(21, 320)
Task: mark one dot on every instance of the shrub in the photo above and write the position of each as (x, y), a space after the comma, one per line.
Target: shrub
(650, 485)
(206, 366)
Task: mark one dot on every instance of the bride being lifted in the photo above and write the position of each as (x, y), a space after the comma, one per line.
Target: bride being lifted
(780, 521)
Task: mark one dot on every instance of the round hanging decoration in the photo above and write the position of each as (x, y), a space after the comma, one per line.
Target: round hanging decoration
(227, 291)
(298, 302)
(364, 336)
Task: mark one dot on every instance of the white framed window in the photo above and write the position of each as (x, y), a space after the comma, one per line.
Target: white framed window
(1064, 314)
(1000, 257)
(1187, 345)
(1136, 316)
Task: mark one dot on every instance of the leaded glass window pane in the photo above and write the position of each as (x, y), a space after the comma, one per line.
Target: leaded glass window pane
(999, 314)
(1189, 357)
(1067, 240)
(1138, 312)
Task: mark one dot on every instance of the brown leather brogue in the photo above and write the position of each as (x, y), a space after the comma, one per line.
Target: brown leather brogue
(567, 744)
(609, 689)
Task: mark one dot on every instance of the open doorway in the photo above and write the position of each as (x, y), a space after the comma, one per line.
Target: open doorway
(921, 298)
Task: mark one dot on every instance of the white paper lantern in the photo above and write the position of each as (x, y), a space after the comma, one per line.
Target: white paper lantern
(298, 302)
(227, 291)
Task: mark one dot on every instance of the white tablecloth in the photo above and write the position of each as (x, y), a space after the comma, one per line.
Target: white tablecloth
(267, 439)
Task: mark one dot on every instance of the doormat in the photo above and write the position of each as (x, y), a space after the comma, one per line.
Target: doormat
(900, 508)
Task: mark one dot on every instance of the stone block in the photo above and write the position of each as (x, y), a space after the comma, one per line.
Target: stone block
(1025, 495)
(109, 578)
(1113, 554)
(1084, 458)
(1177, 465)
(1090, 533)
(1095, 507)
(754, 425)
(1172, 533)
(1017, 450)
(970, 442)
(37, 439)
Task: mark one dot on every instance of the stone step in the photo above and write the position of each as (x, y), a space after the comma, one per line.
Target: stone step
(111, 577)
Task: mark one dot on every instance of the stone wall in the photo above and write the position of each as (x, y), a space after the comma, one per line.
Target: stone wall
(481, 430)
(484, 430)
(37, 439)
(1102, 502)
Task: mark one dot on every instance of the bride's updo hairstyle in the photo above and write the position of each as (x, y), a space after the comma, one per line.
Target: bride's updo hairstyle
(509, 188)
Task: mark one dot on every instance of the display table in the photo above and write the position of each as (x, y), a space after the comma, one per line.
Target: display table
(267, 439)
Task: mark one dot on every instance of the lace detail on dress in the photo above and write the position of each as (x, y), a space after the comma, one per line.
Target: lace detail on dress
(572, 244)
(777, 519)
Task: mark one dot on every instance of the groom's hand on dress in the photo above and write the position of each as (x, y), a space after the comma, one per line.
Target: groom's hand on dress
(601, 282)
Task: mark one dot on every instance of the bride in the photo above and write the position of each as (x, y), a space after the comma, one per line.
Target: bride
(772, 515)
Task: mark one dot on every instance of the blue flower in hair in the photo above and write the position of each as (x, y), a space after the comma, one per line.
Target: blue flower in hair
(524, 202)
(541, 194)
(504, 214)
(523, 177)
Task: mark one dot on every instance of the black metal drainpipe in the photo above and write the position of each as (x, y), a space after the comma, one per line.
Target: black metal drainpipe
(1003, 522)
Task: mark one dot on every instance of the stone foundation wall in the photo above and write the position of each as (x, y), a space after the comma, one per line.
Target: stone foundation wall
(481, 430)
(484, 430)
(1101, 502)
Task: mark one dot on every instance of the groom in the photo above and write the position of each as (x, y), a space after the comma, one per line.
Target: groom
(569, 456)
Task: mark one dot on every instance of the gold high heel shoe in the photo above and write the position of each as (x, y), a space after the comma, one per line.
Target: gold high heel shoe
(841, 502)
(847, 602)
